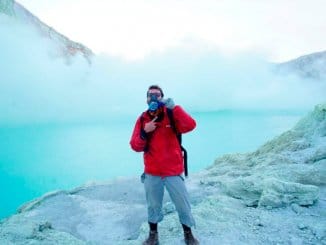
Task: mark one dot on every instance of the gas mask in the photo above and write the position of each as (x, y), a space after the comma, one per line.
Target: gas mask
(154, 104)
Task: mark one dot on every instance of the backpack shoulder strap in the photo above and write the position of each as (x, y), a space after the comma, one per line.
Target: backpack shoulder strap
(179, 137)
(172, 123)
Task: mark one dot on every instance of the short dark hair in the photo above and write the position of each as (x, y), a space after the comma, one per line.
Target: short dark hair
(155, 87)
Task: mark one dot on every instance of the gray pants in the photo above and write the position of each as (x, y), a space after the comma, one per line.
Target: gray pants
(154, 189)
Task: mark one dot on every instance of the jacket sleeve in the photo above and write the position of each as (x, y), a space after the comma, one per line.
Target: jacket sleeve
(183, 121)
(139, 138)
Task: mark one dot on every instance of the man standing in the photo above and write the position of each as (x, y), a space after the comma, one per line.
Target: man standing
(163, 160)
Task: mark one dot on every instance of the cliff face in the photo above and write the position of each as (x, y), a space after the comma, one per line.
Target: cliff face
(65, 47)
(275, 195)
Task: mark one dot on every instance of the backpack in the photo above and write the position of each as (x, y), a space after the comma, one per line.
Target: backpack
(179, 137)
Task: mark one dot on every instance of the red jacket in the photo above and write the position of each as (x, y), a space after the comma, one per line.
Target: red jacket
(163, 156)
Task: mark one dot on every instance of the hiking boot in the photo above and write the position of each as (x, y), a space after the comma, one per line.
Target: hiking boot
(152, 238)
(190, 239)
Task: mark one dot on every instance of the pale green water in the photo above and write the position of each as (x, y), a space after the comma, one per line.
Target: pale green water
(40, 158)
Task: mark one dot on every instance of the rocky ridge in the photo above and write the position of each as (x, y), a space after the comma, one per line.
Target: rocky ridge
(311, 66)
(65, 47)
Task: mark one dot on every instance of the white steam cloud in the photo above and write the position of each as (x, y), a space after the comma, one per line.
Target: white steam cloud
(36, 86)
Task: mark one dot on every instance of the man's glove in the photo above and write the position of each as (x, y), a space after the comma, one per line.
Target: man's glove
(169, 103)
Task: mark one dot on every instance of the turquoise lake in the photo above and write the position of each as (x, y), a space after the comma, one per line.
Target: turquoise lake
(36, 159)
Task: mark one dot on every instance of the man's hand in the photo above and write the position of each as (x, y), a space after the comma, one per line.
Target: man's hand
(169, 103)
(150, 126)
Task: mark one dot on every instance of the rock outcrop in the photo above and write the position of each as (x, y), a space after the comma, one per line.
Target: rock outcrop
(287, 170)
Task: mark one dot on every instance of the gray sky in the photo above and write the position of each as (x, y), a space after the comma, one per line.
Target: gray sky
(132, 29)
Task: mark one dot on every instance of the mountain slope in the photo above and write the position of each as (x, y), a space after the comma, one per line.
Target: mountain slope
(65, 47)
(312, 66)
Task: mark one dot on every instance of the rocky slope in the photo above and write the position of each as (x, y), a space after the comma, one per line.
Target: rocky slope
(65, 47)
(312, 66)
(275, 195)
